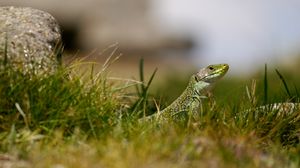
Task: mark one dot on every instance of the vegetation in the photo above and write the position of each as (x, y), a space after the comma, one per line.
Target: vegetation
(86, 119)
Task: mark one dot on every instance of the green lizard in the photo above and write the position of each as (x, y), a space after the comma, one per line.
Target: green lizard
(201, 82)
(190, 99)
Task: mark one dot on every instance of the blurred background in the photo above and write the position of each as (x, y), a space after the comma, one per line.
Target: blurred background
(176, 35)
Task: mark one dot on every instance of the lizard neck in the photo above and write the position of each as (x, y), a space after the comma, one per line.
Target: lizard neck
(200, 87)
(196, 89)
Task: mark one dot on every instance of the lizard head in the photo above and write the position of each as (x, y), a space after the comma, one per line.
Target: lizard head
(211, 73)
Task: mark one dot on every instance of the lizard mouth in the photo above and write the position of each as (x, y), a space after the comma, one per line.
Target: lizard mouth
(222, 71)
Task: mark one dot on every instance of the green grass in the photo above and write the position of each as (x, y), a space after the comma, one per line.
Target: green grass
(87, 119)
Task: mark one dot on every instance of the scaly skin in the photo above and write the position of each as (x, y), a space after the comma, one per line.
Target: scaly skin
(190, 99)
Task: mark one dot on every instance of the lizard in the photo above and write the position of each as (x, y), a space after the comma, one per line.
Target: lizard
(190, 99)
(200, 83)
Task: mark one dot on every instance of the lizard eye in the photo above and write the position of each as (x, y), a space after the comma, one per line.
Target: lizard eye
(196, 79)
(211, 68)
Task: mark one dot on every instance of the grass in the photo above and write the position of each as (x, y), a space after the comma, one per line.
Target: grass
(87, 119)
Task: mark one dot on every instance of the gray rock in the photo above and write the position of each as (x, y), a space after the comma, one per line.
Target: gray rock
(32, 38)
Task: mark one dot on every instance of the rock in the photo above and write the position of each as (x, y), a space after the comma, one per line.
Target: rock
(32, 38)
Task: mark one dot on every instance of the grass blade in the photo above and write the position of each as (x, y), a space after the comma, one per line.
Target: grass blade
(150, 80)
(141, 70)
(296, 90)
(284, 84)
(5, 52)
(266, 85)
